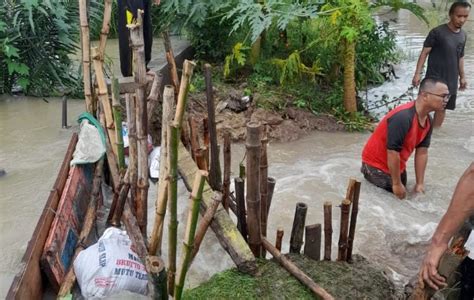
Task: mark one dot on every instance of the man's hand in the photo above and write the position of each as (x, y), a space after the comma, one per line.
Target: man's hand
(429, 268)
(419, 188)
(416, 79)
(399, 190)
(462, 83)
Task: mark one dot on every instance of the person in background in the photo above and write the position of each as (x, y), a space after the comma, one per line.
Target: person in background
(405, 129)
(459, 210)
(444, 47)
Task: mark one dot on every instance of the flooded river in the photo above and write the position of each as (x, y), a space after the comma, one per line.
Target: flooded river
(313, 170)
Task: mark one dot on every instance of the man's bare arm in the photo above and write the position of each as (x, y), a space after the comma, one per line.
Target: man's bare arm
(419, 65)
(421, 160)
(393, 162)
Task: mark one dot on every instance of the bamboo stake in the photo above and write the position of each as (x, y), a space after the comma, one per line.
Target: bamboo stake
(354, 212)
(205, 126)
(201, 160)
(154, 96)
(171, 62)
(279, 238)
(327, 230)
(118, 124)
(239, 184)
(227, 170)
(195, 201)
(264, 184)
(188, 67)
(312, 245)
(271, 187)
(130, 103)
(156, 270)
(122, 198)
(89, 221)
(139, 72)
(350, 189)
(296, 272)
(296, 239)
(215, 180)
(111, 159)
(115, 200)
(173, 204)
(162, 198)
(205, 222)
(86, 56)
(253, 146)
(193, 132)
(345, 208)
(105, 27)
(104, 97)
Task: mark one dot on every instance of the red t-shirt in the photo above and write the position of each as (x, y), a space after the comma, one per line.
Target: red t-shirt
(399, 130)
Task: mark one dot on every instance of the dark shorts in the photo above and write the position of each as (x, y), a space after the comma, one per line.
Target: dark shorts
(451, 102)
(380, 178)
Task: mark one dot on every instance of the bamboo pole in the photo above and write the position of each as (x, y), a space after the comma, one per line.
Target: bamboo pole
(162, 198)
(296, 272)
(279, 238)
(171, 62)
(296, 239)
(89, 221)
(130, 103)
(312, 245)
(264, 184)
(188, 67)
(139, 73)
(354, 212)
(104, 97)
(194, 136)
(115, 199)
(270, 188)
(205, 222)
(215, 180)
(122, 198)
(154, 96)
(105, 28)
(350, 189)
(342, 247)
(327, 230)
(156, 270)
(111, 159)
(239, 184)
(118, 124)
(205, 129)
(86, 56)
(227, 170)
(201, 160)
(253, 146)
(188, 243)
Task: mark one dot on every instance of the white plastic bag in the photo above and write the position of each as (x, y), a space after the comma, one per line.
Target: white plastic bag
(90, 147)
(110, 266)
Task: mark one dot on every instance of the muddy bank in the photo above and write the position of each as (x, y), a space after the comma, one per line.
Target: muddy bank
(359, 280)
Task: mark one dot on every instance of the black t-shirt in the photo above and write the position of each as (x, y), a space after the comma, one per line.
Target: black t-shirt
(447, 47)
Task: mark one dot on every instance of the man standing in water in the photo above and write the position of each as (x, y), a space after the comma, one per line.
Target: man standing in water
(444, 47)
(460, 208)
(401, 131)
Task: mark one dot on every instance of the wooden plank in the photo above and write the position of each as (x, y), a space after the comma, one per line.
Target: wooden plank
(222, 225)
(27, 284)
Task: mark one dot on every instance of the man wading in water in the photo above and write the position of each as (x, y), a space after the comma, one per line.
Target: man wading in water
(401, 131)
(444, 47)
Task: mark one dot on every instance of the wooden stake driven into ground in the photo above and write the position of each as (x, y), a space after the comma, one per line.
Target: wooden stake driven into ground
(342, 250)
(162, 197)
(171, 62)
(86, 56)
(154, 96)
(139, 73)
(264, 185)
(279, 238)
(89, 221)
(239, 185)
(297, 231)
(296, 272)
(354, 212)
(188, 243)
(270, 188)
(312, 244)
(253, 145)
(327, 230)
(227, 170)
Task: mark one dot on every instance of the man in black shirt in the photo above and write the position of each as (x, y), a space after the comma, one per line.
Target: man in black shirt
(445, 47)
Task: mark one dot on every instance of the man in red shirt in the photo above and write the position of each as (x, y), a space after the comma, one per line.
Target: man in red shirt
(405, 129)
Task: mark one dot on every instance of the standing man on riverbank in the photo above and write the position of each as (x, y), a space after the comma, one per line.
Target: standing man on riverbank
(444, 47)
(405, 129)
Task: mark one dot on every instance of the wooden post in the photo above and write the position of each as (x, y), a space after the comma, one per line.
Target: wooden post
(215, 167)
(342, 246)
(188, 243)
(139, 73)
(162, 197)
(296, 239)
(154, 96)
(270, 188)
(171, 62)
(118, 124)
(105, 27)
(227, 170)
(205, 129)
(296, 272)
(350, 189)
(354, 212)
(327, 230)
(122, 198)
(253, 146)
(130, 105)
(194, 136)
(156, 270)
(205, 222)
(239, 184)
(264, 185)
(86, 56)
(312, 245)
(279, 238)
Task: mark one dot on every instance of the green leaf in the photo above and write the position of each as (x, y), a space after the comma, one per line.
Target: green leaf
(10, 51)
(23, 82)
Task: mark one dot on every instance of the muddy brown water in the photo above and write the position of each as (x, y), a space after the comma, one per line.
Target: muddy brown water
(314, 169)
